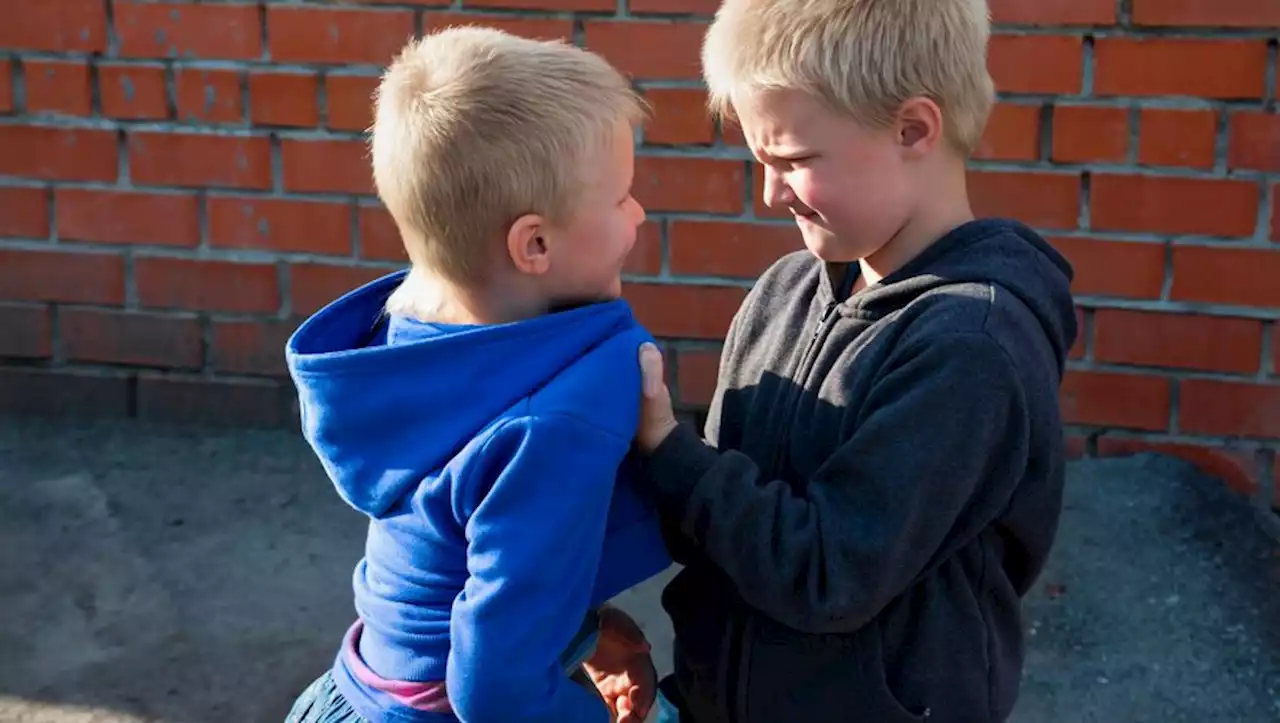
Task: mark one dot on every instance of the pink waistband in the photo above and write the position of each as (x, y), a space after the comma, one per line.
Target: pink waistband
(429, 696)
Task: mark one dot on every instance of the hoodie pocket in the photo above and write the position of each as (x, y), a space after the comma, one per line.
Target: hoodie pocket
(832, 678)
(891, 709)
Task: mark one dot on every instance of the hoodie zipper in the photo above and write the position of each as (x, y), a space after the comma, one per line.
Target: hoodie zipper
(739, 622)
(807, 360)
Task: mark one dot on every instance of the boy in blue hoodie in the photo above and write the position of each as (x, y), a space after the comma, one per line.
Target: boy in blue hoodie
(480, 407)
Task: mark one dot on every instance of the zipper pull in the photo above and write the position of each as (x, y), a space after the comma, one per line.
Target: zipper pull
(822, 318)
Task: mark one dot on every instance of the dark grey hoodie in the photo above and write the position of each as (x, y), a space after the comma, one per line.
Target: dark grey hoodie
(879, 486)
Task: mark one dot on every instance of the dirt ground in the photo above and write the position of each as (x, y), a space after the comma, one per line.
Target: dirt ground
(202, 576)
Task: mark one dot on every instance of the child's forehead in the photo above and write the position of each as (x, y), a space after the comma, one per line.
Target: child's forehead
(781, 115)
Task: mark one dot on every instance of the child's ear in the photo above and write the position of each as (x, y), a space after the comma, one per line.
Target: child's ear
(919, 126)
(527, 244)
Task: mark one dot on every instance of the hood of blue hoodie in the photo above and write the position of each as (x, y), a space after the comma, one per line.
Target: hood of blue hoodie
(382, 416)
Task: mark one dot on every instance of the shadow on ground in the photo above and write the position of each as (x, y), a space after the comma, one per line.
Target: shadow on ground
(202, 576)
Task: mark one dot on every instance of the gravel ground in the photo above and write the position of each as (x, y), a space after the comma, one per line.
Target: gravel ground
(202, 576)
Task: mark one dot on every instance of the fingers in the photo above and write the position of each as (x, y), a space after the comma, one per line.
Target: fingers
(651, 369)
(626, 713)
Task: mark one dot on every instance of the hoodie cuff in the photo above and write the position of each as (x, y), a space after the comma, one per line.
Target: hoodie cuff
(675, 468)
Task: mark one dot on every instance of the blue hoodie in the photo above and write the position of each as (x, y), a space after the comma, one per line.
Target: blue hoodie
(492, 462)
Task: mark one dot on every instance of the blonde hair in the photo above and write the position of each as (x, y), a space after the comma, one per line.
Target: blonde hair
(475, 127)
(862, 57)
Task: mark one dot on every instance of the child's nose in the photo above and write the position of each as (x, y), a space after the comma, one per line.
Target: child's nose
(776, 191)
(638, 212)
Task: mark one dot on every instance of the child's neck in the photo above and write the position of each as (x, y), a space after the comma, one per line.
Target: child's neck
(437, 301)
(946, 207)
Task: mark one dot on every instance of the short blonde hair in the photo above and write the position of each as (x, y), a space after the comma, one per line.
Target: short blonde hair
(863, 57)
(475, 127)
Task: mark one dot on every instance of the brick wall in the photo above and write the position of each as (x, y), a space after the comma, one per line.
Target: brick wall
(181, 181)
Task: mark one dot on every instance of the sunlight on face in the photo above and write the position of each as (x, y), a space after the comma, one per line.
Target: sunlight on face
(589, 253)
(845, 185)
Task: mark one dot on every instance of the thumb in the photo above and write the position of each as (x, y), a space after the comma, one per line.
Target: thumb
(651, 370)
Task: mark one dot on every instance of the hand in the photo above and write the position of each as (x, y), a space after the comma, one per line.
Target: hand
(657, 418)
(621, 668)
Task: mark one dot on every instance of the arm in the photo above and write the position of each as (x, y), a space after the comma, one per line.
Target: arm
(533, 547)
(946, 416)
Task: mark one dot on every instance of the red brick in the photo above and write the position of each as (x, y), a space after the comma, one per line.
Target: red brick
(696, 372)
(1037, 63)
(1275, 213)
(538, 28)
(1229, 409)
(669, 183)
(336, 166)
(1053, 12)
(731, 133)
(649, 50)
(58, 154)
(1114, 268)
(199, 159)
(57, 86)
(1184, 341)
(740, 250)
(276, 224)
(54, 25)
(338, 36)
(1088, 133)
(75, 278)
(684, 311)
(1242, 277)
(674, 7)
(214, 402)
(1180, 66)
(1275, 351)
(24, 212)
(1263, 14)
(122, 337)
(133, 92)
(207, 31)
(199, 285)
(6, 86)
(213, 96)
(28, 332)
(250, 347)
(1255, 141)
(1105, 399)
(1236, 468)
(127, 217)
(1012, 134)
(315, 285)
(1177, 137)
(284, 99)
(1081, 342)
(77, 394)
(379, 237)
(1160, 204)
(679, 117)
(1047, 200)
(646, 256)
(350, 101)
(561, 5)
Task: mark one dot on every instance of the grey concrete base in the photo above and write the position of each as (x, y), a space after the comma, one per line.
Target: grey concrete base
(203, 576)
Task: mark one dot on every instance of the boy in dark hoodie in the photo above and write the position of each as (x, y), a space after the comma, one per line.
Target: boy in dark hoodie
(479, 408)
(881, 475)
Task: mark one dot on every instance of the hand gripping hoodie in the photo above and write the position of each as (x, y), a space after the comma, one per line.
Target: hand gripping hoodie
(493, 464)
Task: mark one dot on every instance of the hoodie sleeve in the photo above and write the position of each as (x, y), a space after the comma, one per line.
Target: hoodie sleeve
(947, 416)
(533, 547)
